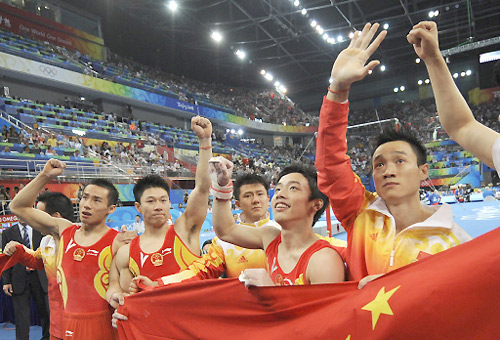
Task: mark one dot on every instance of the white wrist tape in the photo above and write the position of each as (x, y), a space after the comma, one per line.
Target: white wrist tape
(222, 192)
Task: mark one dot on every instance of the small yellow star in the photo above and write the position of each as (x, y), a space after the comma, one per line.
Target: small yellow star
(380, 305)
(348, 337)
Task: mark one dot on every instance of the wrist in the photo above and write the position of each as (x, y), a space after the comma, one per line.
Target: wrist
(338, 86)
(205, 143)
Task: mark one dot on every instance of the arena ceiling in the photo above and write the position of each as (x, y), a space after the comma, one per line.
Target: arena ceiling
(278, 37)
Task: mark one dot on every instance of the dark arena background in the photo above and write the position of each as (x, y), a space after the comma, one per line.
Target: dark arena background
(110, 87)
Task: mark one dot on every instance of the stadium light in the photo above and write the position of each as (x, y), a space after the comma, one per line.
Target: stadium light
(296, 3)
(431, 14)
(240, 54)
(351, 35)
(283, 89)
(262, 72)
(370, 71)
(455, 75)
(269, 76)
(420, 82)
(468, 72)
(233, 130)
(402, 88)
(326, 36)
(277, 84)
(216, 35)
(320, 29)
(417, 60)
(340, 38)
(172, 5)
(396, 89)
(240, 132)
(462, 74)
(427, 81)
(314, 23)
(382, 68)
(331, 41)
(304, 11)
(386, 26)
(330, 80)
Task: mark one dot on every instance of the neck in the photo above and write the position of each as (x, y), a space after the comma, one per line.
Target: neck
(246, 219)
(408, 212)
(88, 229)
(297, 239)
(152, 231)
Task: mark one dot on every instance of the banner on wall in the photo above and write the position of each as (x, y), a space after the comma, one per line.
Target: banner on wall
(478, 96)
(39, 28)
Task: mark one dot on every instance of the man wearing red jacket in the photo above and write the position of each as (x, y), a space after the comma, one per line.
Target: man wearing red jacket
(390, 228)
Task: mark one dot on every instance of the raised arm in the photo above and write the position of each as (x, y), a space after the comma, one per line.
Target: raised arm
(188, 225)
(335, 176)
(454, 113)
(22, 204)
(222, 216)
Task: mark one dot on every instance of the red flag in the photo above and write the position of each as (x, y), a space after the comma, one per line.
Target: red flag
(450, 295)
(7, 262)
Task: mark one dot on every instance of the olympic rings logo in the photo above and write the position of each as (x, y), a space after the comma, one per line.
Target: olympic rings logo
(48, 70)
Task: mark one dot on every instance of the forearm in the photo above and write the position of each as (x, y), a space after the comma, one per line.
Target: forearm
(26, 198)
(455, 115)
(222, 218)
(202, 178)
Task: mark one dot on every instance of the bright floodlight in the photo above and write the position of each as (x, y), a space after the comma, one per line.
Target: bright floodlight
(233, 130)
(216, 36)
(304, 11)
(431, 14)
(382, 68)
(417, 60)
(468, 72)
(330, 80)
(351, 35)
(462, 74)
(262, 72)
(277, 84)
(455, 75)
(420, 82)
(269, 76)
(370, 71)
(396, 89)
(296, 3)
(313, 23)
(386, 26)
(427, 81)
(340, 38)
(240, 54)
(283, 89)
(320, 29)
(331, 41)
(402, 88)
(240, 132)
(436, 13)
(326, 36)
(172, 5)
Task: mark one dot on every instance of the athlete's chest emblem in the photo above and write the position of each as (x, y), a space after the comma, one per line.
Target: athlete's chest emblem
(157, 259)
(70, 245)
(78, 254)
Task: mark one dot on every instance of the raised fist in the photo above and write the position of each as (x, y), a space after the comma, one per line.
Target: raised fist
(221, 170)
(53, 168)
(202, 127)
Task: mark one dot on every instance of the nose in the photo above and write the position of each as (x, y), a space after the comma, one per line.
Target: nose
(389, 171)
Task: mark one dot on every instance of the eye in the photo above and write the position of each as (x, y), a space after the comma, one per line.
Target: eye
(379, 165)
(400, 161)
(293, 187)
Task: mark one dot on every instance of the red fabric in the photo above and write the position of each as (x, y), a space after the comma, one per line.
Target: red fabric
(29, 260)
(89, 326)
(450, 295)
(145, 261)
(7, 262)
(298, 274)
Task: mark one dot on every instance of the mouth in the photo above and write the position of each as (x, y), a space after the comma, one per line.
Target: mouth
(390, 184)
(280, 206)
(85, 214)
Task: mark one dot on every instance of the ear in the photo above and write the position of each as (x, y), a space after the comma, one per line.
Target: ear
(424, 171)
(111, 209)
(318, 204)
(138, 207)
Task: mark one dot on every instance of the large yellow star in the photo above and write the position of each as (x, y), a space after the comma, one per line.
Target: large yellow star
(380, 305)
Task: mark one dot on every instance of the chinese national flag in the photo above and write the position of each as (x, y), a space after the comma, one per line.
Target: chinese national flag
(451, 295)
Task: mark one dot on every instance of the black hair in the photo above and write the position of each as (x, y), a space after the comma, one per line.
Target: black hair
(106, 184)
(150, 181)
(209, 241)
(248, 179)
(405, 135)
(310, 173)
(56, 202)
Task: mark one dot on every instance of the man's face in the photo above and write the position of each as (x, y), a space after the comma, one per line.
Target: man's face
(395, 171)
(253, 201)
(94, 205)
(291, 201)
(138, 219)
(154, 207)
